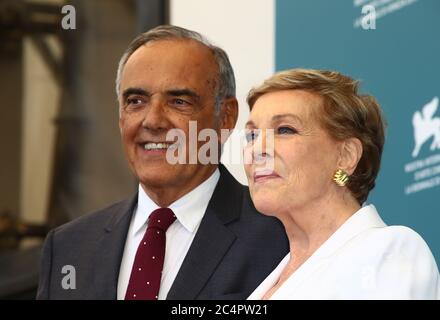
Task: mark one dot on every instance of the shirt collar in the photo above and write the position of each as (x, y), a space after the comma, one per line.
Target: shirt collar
(189, 209)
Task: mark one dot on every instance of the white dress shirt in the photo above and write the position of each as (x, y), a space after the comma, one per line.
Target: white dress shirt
(363, 259)
(189, 211)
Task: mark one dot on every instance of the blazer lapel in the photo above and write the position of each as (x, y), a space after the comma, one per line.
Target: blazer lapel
(212, 241)
(109, 251)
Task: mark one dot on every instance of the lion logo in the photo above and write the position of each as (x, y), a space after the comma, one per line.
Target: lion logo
(426, 126)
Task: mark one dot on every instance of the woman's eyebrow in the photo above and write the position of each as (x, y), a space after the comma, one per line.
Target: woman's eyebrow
(279, 117)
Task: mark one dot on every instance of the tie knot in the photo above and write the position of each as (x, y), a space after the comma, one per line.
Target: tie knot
(161, 219)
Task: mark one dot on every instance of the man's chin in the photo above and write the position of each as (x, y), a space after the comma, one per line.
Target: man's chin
(156, 178)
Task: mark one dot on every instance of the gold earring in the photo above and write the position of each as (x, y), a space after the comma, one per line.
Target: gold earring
(340, 177)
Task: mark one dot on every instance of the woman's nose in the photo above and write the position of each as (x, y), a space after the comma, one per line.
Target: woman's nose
(263, 146)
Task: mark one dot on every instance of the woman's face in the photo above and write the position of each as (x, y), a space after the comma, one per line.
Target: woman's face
(295, 169)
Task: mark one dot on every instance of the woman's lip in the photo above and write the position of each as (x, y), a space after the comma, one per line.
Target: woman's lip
(259, 177)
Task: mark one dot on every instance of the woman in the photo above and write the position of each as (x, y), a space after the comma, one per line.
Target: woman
(315, 146)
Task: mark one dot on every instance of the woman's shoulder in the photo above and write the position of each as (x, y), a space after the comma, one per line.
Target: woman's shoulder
(396, 246)
(398, 238)
(399, 248)
(391, 243)
(398, 260)
(368, 228)
(397, 235)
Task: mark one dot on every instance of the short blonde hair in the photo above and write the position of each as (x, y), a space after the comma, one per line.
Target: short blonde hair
(344, 114)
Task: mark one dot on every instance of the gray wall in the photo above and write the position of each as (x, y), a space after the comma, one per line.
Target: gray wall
(10, 130)
(91, 170)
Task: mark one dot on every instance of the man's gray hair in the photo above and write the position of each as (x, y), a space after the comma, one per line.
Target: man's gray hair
(225, 78)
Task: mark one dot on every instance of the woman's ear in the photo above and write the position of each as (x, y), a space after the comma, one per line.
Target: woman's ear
(351, 153)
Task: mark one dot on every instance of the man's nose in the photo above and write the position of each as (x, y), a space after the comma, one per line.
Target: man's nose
(155, 116)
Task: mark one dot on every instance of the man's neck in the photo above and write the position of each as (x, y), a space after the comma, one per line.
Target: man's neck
(165, 196)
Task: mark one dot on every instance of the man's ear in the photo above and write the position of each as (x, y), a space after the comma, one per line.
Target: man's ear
(351, 153)
(120, 121)
(228, 115)
(120, 114)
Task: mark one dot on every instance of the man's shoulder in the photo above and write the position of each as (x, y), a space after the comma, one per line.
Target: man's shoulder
(91, 222)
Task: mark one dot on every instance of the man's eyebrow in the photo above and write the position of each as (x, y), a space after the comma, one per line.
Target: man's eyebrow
(138, 91)
(183, 92)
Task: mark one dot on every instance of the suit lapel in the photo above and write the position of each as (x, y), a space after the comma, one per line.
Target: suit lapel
(212, 241)
(109, 250)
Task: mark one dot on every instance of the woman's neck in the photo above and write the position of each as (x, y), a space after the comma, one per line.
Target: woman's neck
(309, 226)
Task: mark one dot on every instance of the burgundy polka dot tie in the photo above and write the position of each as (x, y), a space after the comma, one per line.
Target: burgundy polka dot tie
(146, 274)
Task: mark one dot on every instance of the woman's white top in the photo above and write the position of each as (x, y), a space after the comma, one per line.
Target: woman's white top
(363, 259)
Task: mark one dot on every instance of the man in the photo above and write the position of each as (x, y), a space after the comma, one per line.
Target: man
(214, 245)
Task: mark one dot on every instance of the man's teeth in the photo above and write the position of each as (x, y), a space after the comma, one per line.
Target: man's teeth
(156, 146)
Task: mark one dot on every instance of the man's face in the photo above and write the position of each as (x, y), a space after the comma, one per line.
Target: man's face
(164, 85)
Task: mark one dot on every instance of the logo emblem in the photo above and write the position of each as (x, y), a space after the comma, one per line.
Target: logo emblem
(426, 126)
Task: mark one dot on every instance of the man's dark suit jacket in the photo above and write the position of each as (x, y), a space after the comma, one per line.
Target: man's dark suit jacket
(235, 248)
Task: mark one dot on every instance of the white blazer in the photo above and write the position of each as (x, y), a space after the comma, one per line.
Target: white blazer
(363, 259)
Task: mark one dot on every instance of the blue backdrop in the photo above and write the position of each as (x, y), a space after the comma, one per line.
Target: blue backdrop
(398, 63)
